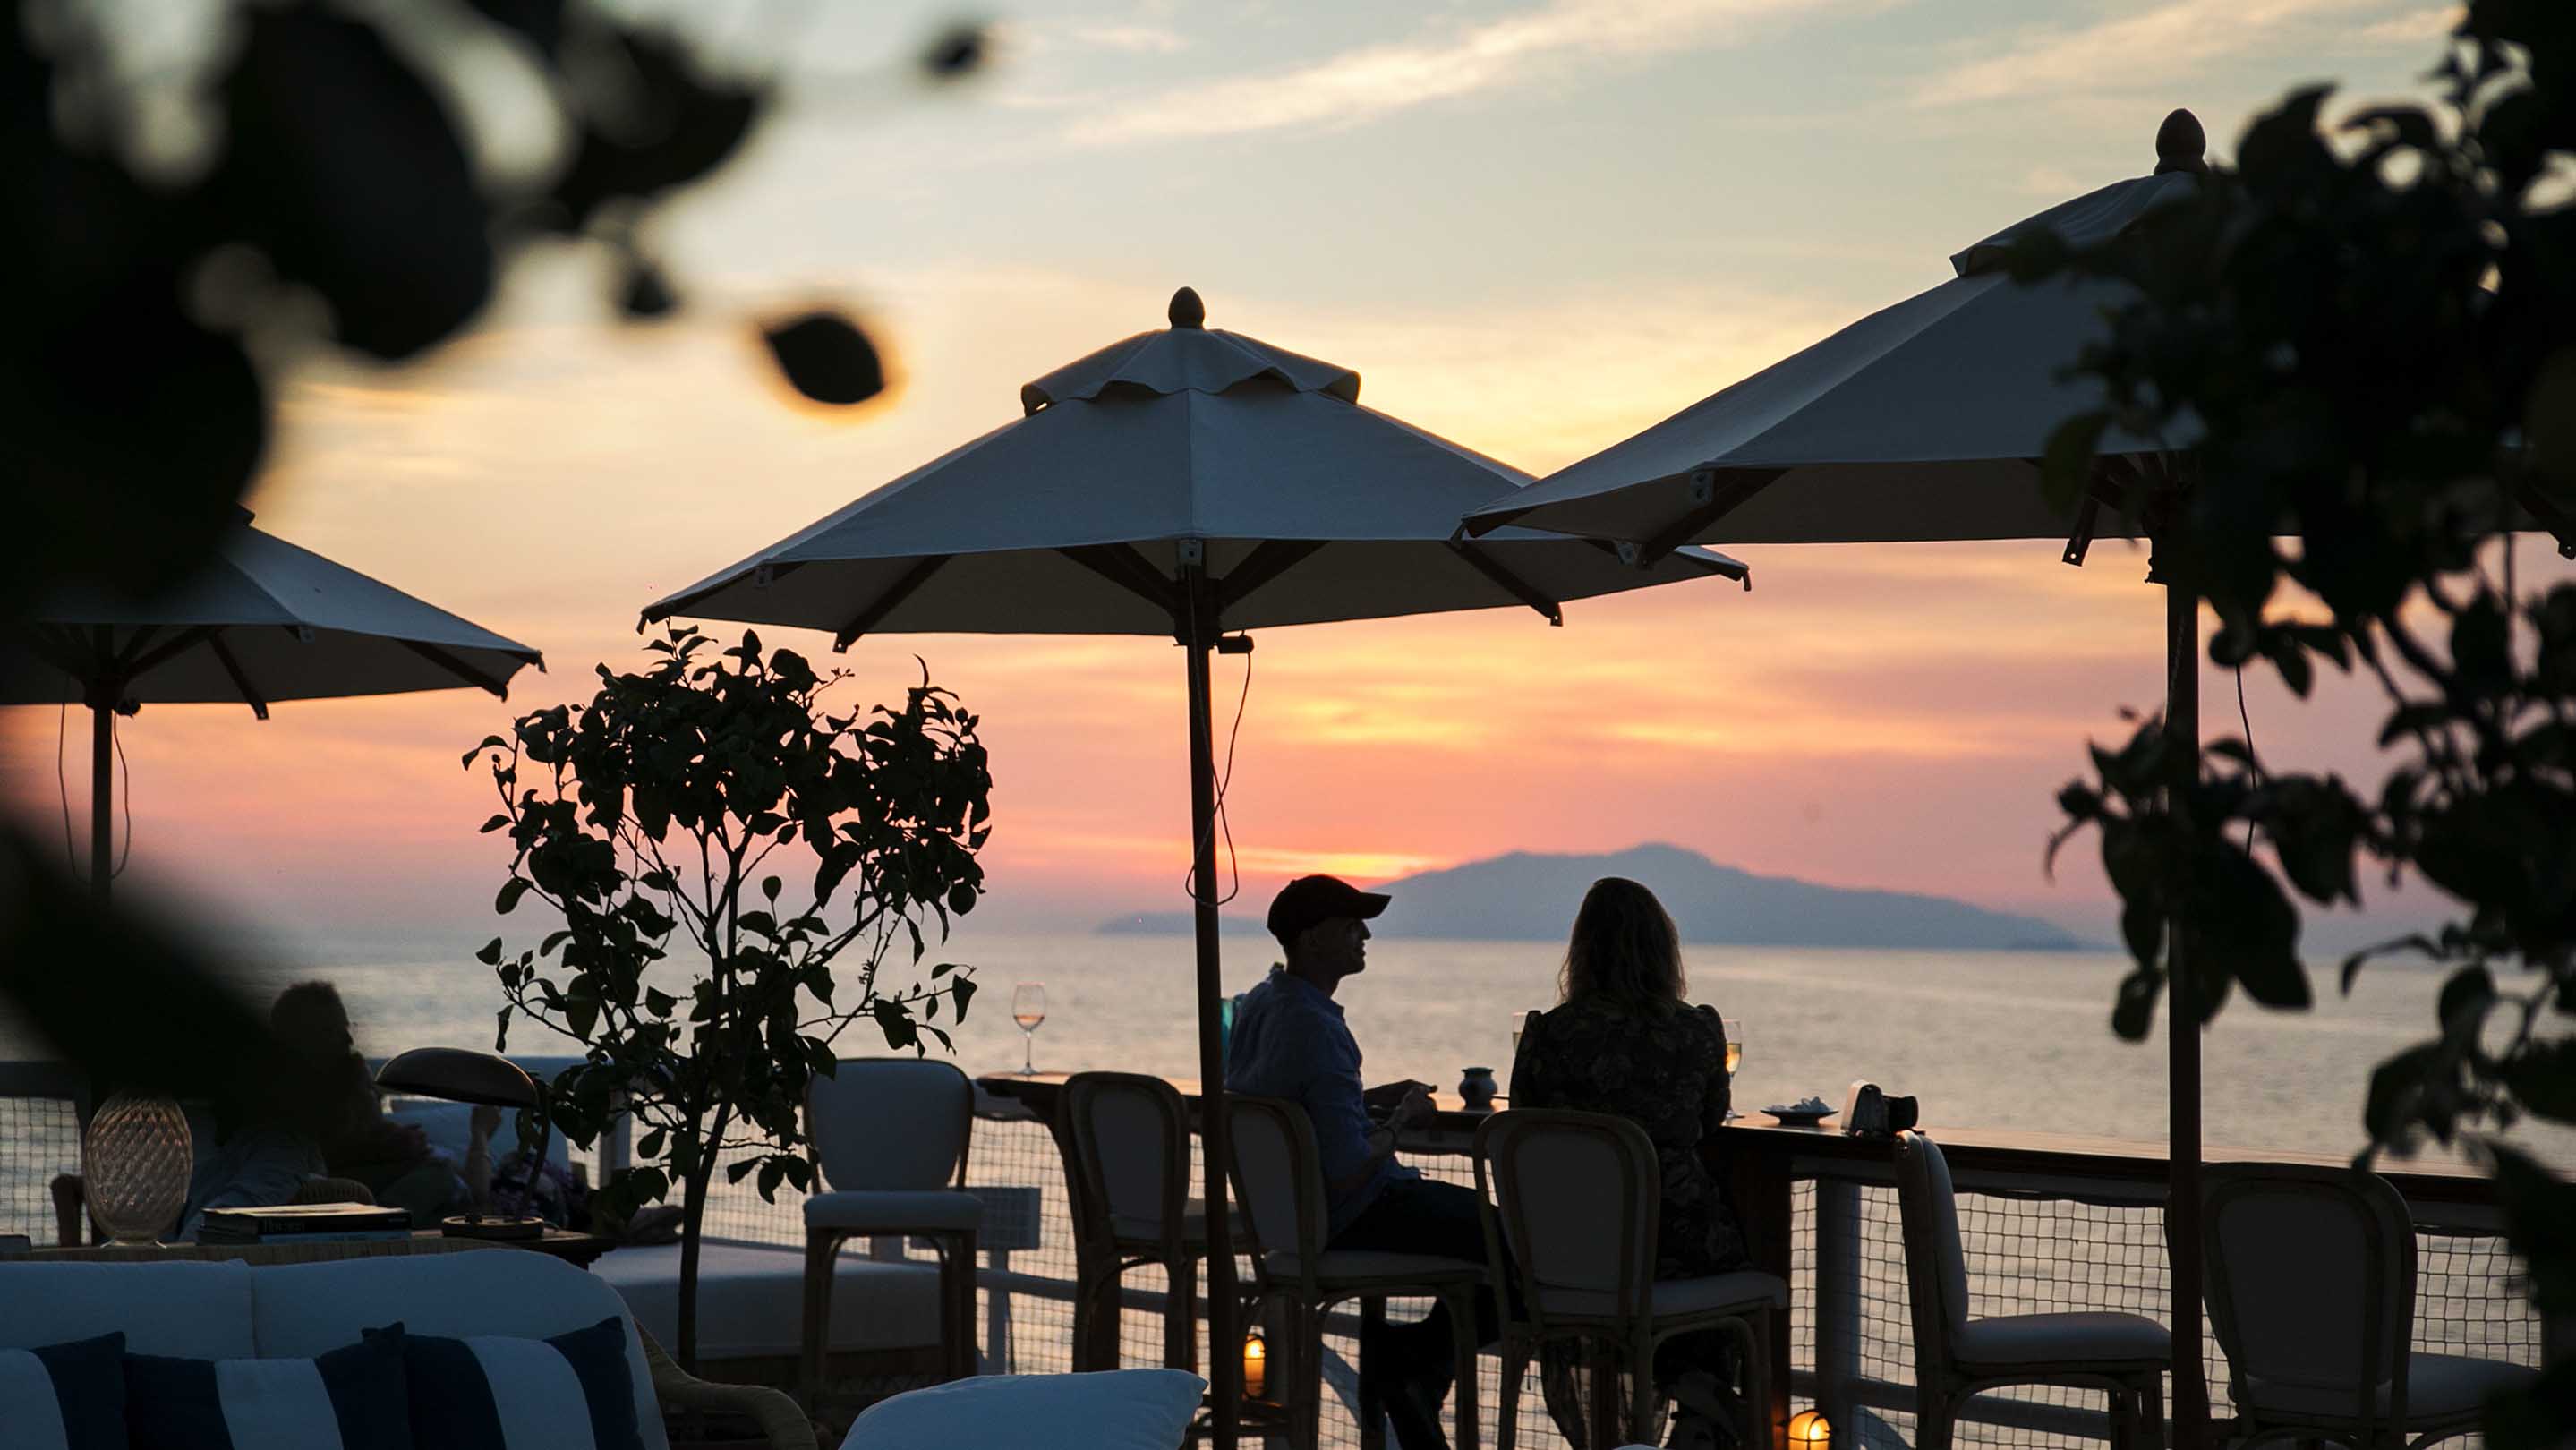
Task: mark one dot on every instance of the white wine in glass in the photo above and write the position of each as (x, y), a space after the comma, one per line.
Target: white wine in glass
(1734, 1046)
(1028, 1008)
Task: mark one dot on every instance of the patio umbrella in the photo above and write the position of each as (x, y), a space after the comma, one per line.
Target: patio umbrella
(266, 621)
(1925, 422)
(1183, 484)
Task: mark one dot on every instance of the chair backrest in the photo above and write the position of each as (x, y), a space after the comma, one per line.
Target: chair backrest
(1936, 1267)
(1128, 1138)
(2311, 1275)
(1276, 1175)
(1572, 1202)
(891, 1123)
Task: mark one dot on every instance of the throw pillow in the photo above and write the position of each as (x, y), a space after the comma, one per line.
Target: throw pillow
(491, 1392)
(1127, 1409)
(236, 1404)
(65, 1396)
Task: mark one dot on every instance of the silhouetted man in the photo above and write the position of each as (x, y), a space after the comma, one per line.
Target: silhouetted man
(1290, 1041)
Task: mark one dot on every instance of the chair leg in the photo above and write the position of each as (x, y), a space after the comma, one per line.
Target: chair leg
(957, 1329)
(822, 1246)
(1507, 1395)
(2151, 1410)
(1181, 1312)
(1642, 1398)
(1310, 1380)
(1462, 1335)
(1931, 1418)
(1759, 1432)
(2124, 1418)
(1086, 1309)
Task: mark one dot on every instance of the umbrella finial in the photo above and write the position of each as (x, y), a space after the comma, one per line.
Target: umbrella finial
(1187, 310)
(2180, 143)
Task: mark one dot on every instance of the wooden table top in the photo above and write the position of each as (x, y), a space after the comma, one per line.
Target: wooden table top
(2016, 1149)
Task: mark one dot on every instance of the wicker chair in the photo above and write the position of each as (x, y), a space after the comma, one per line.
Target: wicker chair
(2312, 1291)
(1956, 1356)
(1126, 1146)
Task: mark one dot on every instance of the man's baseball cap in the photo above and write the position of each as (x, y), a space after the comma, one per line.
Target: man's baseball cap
(1310, 899)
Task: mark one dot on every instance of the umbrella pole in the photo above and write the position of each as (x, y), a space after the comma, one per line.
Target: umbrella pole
(102, 803)
(1224, 1349)
(2182, 1028)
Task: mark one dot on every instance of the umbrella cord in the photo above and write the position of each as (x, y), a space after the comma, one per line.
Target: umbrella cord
(1222, 823)
(125, 774)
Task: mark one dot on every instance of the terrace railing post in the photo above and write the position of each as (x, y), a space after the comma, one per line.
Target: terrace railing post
(1837, 1305)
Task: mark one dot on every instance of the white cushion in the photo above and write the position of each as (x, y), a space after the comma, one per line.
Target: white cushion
(2438, 1386)
(184, 1310)
(301, 1310)
(1355, 1264)
(894, 1211)
(751, 1299)
(1128, 1409)
(2076, 1338)
(1744, 1289)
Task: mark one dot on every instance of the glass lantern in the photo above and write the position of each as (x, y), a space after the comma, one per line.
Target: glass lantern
(135, 1165)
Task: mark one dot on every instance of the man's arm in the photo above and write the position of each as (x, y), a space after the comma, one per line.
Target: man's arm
(1379, 1141)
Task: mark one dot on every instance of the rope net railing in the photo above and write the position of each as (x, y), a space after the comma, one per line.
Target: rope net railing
(2026, 1254)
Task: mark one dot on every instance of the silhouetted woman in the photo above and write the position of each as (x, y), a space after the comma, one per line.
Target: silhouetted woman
(1622, 1041)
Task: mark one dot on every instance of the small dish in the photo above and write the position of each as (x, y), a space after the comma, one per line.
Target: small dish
(1787, 1116)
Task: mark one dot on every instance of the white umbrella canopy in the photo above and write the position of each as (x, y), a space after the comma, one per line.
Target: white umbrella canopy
(1925, 422)
(264, 621)
(1182, 483)
(1921, 422)
(1305, 506)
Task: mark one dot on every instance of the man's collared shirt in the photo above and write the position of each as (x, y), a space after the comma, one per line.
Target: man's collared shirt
(1290, 1041)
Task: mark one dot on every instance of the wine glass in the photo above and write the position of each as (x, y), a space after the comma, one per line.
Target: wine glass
(1028, 1008)
(1734, 1046)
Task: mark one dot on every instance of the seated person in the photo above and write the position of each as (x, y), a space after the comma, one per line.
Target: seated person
(1290, 1041)
(1622, 1041)
(331, 1099)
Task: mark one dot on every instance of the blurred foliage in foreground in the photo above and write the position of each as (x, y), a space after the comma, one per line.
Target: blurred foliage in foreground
(2366, 337)
(181, 229)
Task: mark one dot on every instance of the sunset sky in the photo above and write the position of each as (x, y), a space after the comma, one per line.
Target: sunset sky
(1531, 227)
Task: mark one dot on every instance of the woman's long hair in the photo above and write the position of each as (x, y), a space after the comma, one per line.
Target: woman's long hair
(1625, 948)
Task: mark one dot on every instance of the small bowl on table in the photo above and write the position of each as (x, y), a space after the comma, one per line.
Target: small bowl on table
(1794, 1117)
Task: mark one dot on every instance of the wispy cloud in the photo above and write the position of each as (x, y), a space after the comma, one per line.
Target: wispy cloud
(2416, 27)
(2152, 46)
(1447, 63)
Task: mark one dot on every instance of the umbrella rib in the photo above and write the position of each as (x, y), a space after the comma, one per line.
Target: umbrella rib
(1511, 583)
(457, 667)
(1741, 485)
(868, 618)
(1123, 566)
(241, 678)
(57, 648)
(1268, 560)
(154, 659)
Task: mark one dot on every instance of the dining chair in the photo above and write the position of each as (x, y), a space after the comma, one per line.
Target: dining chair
(1572, 1203)
(891, 1134)
(1126, 1142)
(2311, 1278)
(1280, 1185)
(1957, 1354)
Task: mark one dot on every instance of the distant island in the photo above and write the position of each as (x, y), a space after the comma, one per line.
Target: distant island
(1527, 896)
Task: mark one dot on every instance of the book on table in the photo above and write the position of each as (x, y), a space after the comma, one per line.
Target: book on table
(305, 1223)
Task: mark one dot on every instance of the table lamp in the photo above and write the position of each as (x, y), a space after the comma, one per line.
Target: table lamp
(460, 1075)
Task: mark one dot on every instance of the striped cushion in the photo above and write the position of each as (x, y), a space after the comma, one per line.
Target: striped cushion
(64, 1396)
(348, 1399)
(571, 1392)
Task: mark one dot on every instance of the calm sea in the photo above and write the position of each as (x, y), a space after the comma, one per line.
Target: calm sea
(2006, 1040)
